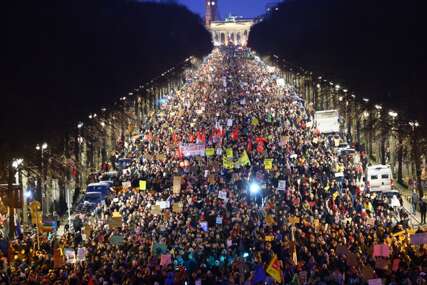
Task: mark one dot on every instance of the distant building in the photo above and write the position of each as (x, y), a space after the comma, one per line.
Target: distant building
(233, 30)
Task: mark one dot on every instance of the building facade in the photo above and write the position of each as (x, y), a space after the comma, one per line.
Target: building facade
(232, 30)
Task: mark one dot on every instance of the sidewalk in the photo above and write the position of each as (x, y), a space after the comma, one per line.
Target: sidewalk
(406, 197)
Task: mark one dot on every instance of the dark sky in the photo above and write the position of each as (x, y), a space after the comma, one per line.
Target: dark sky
(245, 8)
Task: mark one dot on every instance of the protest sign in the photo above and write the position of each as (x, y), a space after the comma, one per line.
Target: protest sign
(376, 281)
(177, 181)
(222, 195)
(117, 240)
(115, 222)
(189, 150)
(163, 204)
(177, 207)
(381, 250)
(70, 255)
(219, 151)
(211, 179)
(268, 164)
(204, 226)
(156, 210)
(142, 185)
(218, 220)
(81, 254)
(293, 220)
(58, 258)
(126, 184)
(281, 185)
(419, 239)
(165, 259)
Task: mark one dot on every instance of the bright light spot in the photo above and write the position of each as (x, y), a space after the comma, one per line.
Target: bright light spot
(28, 194)
(392, 114)
(245, 254)
(17, 162)
(254, 188)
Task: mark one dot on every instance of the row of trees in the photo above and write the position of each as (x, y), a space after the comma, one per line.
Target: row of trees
(384, 133)
(376, 50)
(77, 78)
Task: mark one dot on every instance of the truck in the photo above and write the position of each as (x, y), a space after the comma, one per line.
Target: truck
(327, 122)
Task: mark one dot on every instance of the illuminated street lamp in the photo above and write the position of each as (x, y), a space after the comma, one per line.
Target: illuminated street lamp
(366, 100)
(378, 107)
(392, 114)
(254, 188)
(42, 148)
(16, 163)
(414, 124)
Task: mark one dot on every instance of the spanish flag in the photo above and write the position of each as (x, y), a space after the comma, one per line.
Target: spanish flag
(273, 269)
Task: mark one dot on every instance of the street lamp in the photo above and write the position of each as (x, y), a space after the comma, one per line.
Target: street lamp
(42, 148)
(378, 107)
(392, 114)
(254, 188)
(17, 162)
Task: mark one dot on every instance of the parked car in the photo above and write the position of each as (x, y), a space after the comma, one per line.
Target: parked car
(90, 201)
(103, 187)
(123, 163)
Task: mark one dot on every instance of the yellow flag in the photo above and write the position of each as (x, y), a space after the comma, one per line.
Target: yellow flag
(227, 164)
(273, 269)
(244, 159)
(210, 152)
(229, 152)
(254, 121)
(268, 164)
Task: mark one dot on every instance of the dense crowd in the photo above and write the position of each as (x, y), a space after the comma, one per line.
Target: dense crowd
(231, 183)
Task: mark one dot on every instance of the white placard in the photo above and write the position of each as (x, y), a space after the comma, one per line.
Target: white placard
(281, 185)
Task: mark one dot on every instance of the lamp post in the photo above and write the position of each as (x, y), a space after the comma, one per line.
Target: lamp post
(44, 203)
(415, 151)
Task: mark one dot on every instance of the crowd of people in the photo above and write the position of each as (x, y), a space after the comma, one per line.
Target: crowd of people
(230, 183)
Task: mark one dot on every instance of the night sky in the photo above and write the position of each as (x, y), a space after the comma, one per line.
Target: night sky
(245, 8)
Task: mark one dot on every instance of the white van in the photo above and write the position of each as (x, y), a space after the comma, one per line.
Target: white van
(379, 178)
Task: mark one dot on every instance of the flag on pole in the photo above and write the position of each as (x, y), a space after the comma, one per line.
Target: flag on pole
(244, 159)
(293, 248)
(260, 275)
(273, 269)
